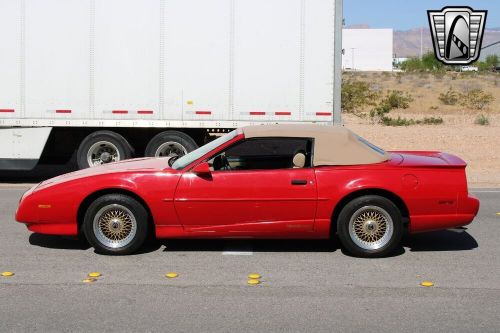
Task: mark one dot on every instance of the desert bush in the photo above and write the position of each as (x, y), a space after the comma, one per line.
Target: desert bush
(356, 95)
(394, 99)
(476, 99)
(399, 121)
(398, 99)
(491, 62)
(412, 65)
(430, 121)
(450, 97)
(434, 107)
(388, 121)
(385, 76)
(399, 78)
(482, 120)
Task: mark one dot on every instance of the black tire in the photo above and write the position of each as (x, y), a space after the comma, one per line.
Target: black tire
(370, 204)
(181, 139)
(124, 149)
(111, 203)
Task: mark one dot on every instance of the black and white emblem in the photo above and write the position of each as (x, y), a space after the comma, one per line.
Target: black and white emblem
(457, 33)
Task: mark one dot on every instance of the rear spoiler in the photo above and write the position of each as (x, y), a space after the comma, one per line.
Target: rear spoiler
(448, 159)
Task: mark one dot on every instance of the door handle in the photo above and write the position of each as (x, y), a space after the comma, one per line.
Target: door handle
(299, 182)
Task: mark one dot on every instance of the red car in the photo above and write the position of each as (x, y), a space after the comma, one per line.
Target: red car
(269, 181)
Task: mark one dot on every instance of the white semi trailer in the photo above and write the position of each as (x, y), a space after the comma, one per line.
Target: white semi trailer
(107, 80)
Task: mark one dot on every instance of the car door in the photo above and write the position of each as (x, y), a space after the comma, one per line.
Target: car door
(259, 194)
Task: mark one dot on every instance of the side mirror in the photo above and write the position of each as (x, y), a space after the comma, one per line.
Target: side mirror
(202, 169)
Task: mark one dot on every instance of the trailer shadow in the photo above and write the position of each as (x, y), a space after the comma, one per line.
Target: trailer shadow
(40, 173)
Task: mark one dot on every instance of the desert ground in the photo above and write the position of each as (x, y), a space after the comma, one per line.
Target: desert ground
(478, 145)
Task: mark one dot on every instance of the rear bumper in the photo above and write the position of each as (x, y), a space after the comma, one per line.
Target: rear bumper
(467, 211)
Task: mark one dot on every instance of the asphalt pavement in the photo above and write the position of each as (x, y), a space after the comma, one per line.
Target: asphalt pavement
(306, 286)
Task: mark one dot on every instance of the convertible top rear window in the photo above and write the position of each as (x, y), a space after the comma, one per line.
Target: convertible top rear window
(372, 146)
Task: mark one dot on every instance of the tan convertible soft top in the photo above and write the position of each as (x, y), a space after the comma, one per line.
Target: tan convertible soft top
(333, 145)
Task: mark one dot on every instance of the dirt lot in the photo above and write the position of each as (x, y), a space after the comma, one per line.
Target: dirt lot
(479, 146)
(426, 87)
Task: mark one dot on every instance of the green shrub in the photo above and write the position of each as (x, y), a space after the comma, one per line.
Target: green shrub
(412, 65)
(356, 95)
(431, 121)
(450, 97)
(489, 64)
(428, 63)
(397, 99)
(399, 121)
(394, 99)
(388, 121)
(476, 99)
(482, 120)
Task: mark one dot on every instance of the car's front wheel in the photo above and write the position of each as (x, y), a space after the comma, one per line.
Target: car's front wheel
(116, 224)
(370, 226)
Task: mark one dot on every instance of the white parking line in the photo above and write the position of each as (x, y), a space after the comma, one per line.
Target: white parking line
(237, 253)
(486, 191)
(235, 248)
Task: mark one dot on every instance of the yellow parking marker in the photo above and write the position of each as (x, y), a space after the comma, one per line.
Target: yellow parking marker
(426, 284)
(253, 281)
(171, 275)
(254, 276)
(498, 213)
(94, 274)
(6, 274)
(88, 280)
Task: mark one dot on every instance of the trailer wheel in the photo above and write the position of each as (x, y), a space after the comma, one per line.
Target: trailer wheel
(170, 143)
(103, 147)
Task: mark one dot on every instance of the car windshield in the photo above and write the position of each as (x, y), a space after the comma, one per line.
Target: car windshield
(196, 154)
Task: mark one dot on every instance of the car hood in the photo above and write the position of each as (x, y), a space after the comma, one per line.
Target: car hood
(138, 164)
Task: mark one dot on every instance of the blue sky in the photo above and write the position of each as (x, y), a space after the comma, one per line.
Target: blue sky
(404, 15)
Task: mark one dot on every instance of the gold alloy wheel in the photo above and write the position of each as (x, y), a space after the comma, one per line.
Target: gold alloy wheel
(115, 226)
(371, 227)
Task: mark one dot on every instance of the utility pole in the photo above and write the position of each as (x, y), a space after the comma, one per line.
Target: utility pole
(337, 66)
(421, 42)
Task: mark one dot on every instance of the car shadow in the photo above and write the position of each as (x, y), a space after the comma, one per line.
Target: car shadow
(58, 242)
(443, 240)
(79, 243)
(253, 245)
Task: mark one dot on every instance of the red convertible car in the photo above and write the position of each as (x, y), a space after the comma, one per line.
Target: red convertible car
(269, 181)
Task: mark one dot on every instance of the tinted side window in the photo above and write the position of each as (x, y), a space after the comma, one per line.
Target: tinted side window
(265, 153)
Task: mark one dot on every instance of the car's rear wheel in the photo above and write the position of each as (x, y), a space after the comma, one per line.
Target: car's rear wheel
(370, 226)
(116, 224)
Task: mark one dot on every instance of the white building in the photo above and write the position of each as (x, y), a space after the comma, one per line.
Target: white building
(367, 49)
